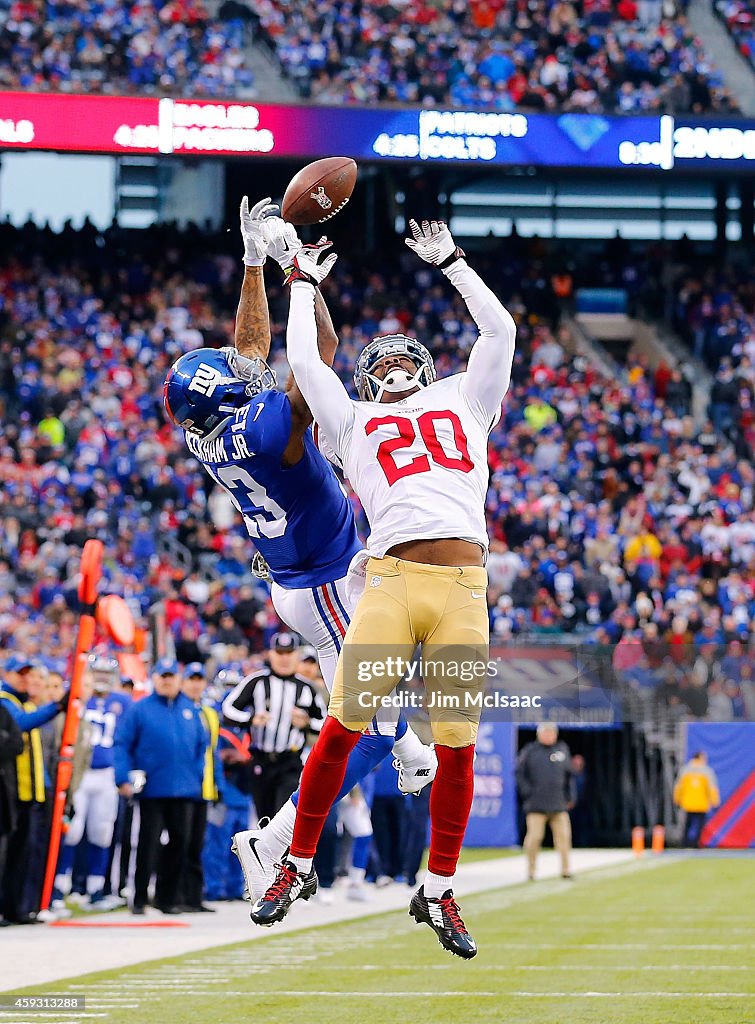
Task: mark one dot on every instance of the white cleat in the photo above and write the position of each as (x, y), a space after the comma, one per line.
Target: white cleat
(413, 778)
(257, 859)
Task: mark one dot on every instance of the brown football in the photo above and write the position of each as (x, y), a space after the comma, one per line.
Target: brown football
(319, 190)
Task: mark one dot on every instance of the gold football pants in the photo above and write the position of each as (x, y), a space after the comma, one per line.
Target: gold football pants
(404, 604)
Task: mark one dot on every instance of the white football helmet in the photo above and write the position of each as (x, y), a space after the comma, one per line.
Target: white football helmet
(370, 388)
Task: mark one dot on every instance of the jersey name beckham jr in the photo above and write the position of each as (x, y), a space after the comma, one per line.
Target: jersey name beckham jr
(298, 516)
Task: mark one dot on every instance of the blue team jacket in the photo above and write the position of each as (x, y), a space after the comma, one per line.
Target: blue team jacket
(165, 739)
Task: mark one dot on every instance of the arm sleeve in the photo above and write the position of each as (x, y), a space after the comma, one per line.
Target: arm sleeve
(203, 742)
(489, 368)
(570, 785)
(318, 714)
(311, 702)
(28, 720)
(236, 706)
(325, 394)
(123, 744)
(324, 446)
(522, 775)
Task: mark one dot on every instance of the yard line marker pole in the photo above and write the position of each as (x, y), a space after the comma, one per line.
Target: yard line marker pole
(89, 579)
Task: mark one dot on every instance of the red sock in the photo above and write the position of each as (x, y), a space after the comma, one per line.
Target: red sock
(321, 779)
(450, 804)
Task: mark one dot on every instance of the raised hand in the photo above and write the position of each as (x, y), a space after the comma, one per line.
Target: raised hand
(283, 243)
(311, 264)
(252, 222)
(433, 242)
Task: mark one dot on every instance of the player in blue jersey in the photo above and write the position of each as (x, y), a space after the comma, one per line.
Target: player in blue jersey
(257, 443)
(95, 803)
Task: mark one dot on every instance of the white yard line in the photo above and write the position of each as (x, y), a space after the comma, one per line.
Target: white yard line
(338, 993)
(43, 954)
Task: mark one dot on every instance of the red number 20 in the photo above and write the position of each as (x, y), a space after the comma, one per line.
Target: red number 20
(406, 436)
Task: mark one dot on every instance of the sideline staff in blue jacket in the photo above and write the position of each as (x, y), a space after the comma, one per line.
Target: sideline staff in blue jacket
(162, 736)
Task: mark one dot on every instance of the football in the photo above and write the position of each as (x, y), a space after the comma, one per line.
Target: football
(319, 190)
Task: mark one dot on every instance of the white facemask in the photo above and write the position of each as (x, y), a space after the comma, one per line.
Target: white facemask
(396, 380)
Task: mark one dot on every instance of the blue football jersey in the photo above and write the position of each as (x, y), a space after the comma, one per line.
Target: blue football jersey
(298, 516)
(104, 713)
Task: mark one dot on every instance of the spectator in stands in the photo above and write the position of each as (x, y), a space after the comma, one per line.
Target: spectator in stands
(152, 47)
(496, 56)
(696, 793)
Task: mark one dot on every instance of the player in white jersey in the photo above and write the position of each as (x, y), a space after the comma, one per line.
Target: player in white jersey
(415, 450)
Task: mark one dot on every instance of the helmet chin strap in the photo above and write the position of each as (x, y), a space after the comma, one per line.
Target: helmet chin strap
(395, 381)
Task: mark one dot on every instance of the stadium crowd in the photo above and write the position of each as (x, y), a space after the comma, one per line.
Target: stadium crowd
(612, 515)
(634, 56)
(715, 312)
(627, 57)
(739, 18)
(165, 47)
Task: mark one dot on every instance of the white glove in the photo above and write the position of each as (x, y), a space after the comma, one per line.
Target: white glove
(433, 242)
(309, 264)
(255, 246)
(283, 243)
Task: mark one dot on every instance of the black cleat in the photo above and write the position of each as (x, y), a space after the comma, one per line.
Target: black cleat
(445, 920)
(288, 886)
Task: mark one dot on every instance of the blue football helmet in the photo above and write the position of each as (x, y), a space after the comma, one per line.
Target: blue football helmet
(204, 388)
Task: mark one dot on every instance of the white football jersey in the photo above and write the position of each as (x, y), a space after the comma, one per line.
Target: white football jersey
(420, 466)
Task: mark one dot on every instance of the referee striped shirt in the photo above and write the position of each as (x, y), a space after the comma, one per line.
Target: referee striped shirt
(265, 692)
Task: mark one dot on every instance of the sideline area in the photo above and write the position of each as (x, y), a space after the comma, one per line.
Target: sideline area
(41, 954)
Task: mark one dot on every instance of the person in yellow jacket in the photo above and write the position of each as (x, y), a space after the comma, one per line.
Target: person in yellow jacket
(696, 793)
(32, 783)
(192, 889)
(643, 547)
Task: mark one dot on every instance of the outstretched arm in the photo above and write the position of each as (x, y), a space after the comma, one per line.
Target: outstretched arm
(283, 245)
(322, 390)
(489, 368)
(252, 336)
(327, 343)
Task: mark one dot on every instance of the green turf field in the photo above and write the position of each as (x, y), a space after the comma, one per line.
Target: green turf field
(667, 942)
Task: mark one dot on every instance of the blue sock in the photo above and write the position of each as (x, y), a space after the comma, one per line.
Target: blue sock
(65, 859)
(360, 852)
(98, 858)
(401, 728)
(366, 755)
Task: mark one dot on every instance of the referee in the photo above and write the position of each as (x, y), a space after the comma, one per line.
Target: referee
(283, 712)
